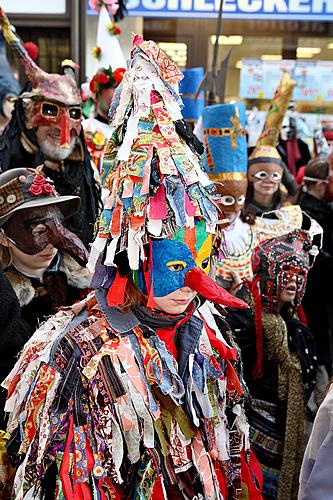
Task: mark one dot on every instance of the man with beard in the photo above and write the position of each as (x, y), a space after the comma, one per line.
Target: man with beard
(46, 128)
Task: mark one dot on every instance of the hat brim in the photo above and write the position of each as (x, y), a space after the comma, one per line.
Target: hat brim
(68, 205)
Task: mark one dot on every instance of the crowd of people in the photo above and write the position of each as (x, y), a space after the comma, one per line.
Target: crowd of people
(166, 318)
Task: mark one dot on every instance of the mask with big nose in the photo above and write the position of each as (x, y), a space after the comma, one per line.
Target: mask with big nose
(32, 229)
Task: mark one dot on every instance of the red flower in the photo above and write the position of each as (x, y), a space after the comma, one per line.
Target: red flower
(116, 31)
(47, 189)
(118, 74)
(39, 179)
(35, 189)
(94, 85)
(102, 78)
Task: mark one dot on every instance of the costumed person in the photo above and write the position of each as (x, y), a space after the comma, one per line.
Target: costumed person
(296, 141)
(279, 358)
(226, 164)
(43, 260)
(13, 336)
(45, 128)
(97, 129)
(193, 104)
(9, 86)
(316, 479)
(226, 154)
(135, 392)
(110, 68)
(266, 170)
(317, 302)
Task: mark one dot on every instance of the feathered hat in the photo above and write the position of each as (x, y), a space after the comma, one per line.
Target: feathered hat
(158, 189)
(265, 150)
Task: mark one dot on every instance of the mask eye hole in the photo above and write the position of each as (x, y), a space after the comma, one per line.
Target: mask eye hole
(302, 273)
(50, 110)
(276, 176)
(261, 175)
(228, 200)
(38, 229)
(205, 263)
(176, 266)
(75, 113)
(286, 267)
(241, 200)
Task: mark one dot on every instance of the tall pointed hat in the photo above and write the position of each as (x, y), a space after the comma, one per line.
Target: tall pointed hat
(110, 52)
(265, 150)
(162, 214)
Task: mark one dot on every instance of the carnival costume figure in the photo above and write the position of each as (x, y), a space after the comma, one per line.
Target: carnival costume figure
(135, 392)
(279, 357)
(46, 129)
(44, 261)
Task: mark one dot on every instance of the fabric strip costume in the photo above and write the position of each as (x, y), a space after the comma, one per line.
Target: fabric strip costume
(107, 403)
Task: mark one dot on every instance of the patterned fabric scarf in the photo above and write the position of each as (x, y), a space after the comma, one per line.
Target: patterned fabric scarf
(290, 389)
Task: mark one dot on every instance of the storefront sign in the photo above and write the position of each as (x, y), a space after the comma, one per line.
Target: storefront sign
(297, 10)
(259, 79)
(33, 7)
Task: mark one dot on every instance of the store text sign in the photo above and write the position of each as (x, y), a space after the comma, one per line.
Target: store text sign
(314, 79)
(297, 10)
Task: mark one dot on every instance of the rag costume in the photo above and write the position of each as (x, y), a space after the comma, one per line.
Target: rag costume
(51, 100)
(28, 201)
(108, 401)
(265, 160)
(279, 358)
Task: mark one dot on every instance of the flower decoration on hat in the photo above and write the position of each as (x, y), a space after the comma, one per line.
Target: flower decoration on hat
(162, 214)
(105, 78)
(41, 186)
(113, 29)
(96, 53)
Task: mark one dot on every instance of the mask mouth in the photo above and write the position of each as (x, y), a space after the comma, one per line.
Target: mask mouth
(198, 281)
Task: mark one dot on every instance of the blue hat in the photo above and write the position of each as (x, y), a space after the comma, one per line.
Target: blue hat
(225, 141)
(188, 87)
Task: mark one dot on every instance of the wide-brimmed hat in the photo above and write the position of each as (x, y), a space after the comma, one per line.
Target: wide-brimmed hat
(22, 188)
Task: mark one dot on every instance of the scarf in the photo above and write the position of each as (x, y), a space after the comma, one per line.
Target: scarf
(290, 390)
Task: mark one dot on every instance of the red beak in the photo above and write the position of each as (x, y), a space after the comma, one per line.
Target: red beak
(199, 282)
(65, 130)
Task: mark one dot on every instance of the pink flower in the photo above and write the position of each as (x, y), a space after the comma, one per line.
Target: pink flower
(47, 189)
(35, 189)
(39, 179)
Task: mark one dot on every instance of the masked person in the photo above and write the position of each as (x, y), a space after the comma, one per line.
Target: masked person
(45, 128)
(317, 302)
(279, 357)
(266, 170)
(9, 86)
(41, 258)
(140, 392)
(97, 130)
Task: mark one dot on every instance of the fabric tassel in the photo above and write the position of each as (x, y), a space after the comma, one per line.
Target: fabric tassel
(116, 294)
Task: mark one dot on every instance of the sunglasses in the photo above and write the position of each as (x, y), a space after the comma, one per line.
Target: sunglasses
(51, 110)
